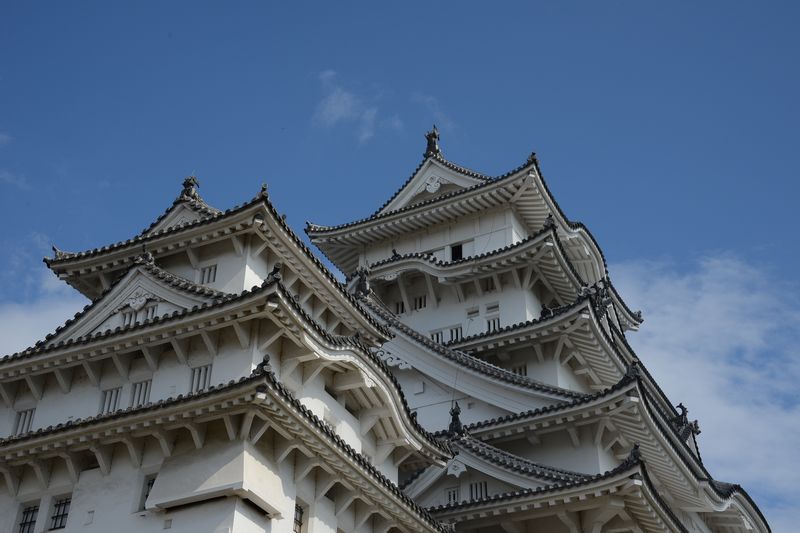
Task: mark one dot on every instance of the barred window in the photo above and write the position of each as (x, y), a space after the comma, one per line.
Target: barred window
(201, 378)
(437, 336)
(492, 324)
(60, 513)
(128, 318)
(140, 393)
(420, 302)
(28, 519)
(452, 495)
(455, 334)
(520, 370)
(150, 312)
(109, 401)
(478, 490)
(208, 274)
(399, 307)
(24, 421)
(456, 252)
(298, 519)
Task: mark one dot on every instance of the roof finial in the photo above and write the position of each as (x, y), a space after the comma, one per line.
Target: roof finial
(190, 185)
(456, 427)
(263, 192)
(533, 158)
(433, 142)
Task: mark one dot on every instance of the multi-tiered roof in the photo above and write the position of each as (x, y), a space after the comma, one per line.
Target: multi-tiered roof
(597, 397)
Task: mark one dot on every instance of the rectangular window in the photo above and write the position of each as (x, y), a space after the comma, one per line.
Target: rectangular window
(298, 519)
(492, 324)
(150, 312)
(208, 274)
(399, 307)
(472, 313)
(140, 393)
(455, 334)
(456, 252)
(492, 308)
(478, 490)
(109, 401)
(437, 336)
(24, 421)
(28, 519)
(452, 495)
(128, 318)
(60, 513)
(201, 378)
(520, 370)
(420, 302)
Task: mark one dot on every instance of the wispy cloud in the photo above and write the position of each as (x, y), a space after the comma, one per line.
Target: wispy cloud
(15, 180)
(432, 103)
(40, 302)
(342, 106)
(5, 138)
(724, 339)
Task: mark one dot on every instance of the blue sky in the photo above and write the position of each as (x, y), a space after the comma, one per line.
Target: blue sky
(669, 128)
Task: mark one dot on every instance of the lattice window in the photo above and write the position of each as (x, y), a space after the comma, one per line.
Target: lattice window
(140, 393)
(420, 302)
(201, 378)
(472, 313)
(437, 336)
(298, 519)
(452, 495)
(478, 490)
(492, 324)
(456, 334)
(28, 519)
(24, 421)
(109, 402)
(208, 274)
(399, 307)
(60, 513)
(456, 252)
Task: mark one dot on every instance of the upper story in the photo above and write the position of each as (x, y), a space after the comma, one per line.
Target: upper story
(454, 249)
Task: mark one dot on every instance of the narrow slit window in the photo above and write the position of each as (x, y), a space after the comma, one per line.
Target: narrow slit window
(201, 378)
(492, 324)
(24, 421)
(420, 302)
(478, 490)
(149, 481)
(208, 274)
(140, 393)
(28, 519)
(455, 334)
(60, 513)
(399, 307)
(109, 401)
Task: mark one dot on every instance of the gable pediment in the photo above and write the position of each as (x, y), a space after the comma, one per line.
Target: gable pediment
(431, 180)
(178, 214)
(139, 295)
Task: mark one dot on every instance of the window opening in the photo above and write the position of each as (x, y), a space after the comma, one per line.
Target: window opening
(128, 318)
(140, 394)
(456, 252)
(60, 513)
(399, 307)
(520, 370)
(110, 400)
(452, 495)
(420, 302)
(478, 490)
(149, 481)
(208, 274)
(298, 519)
(24, 421)
(492, 324)
(201, 378)
(150, 312)
(437, 336)
(455, 334)
(28, 519)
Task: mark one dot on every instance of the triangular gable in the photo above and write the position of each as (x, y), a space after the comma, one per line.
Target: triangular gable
(431, 179)
(181, 212)
(144, 292)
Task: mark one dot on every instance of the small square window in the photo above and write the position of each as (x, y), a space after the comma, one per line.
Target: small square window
(201, 378)
(455, 334)
(492, 324)
(420, 302)
(437, 336)
(478, 490)
(399, 307)
(140, 393)
(452, 495)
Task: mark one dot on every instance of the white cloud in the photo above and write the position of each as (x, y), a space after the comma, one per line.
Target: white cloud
(724, 339)
(432, 103)
(341, 106)
(15, 180)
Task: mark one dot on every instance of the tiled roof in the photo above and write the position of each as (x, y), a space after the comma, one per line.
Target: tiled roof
(264, 379)
(198, 205)
(468, 361)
